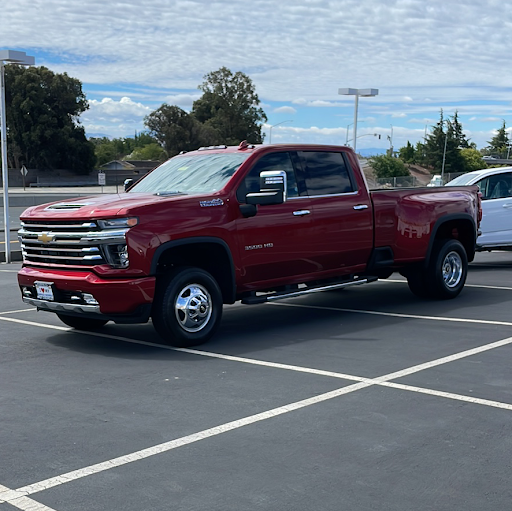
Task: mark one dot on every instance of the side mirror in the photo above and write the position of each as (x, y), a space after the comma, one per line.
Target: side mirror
(272, 189)
(128, 183)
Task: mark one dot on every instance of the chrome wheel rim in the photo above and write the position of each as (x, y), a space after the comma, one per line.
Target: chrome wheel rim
(193, 308)
(452, 269)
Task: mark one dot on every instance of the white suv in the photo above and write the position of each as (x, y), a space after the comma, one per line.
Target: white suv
(496, 188)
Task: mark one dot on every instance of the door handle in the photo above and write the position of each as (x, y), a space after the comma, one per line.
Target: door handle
(301, 212)
(507, 205)
(361, 206)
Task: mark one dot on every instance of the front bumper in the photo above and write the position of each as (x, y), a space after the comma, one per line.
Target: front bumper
(83, 293)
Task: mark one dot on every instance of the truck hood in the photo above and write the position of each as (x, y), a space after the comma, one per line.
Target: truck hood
(98, 206)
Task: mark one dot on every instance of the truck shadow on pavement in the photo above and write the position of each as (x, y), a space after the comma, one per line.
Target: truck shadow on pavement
(249, 329)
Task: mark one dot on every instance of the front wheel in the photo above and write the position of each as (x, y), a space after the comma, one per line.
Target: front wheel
(82, 323)
(187, 307)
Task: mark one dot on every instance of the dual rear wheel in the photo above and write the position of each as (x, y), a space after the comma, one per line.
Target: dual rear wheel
(445, 274)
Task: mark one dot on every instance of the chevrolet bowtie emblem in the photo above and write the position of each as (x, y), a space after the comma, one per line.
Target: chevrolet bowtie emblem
(45, 237)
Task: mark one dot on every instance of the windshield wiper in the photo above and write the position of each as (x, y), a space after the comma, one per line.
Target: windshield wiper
(171, 192)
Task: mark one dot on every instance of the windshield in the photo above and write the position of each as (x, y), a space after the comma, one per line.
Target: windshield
(199, 174)
(461, 180)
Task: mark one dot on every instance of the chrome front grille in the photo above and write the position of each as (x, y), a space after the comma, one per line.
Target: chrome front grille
(68, 243)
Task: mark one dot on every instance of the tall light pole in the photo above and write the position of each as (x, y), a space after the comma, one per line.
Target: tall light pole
(273, 126)
(20, 58)
(444, 151)
(365, 93)
(346, 138)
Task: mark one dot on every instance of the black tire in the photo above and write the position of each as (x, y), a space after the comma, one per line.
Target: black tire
(187, 307)
(445, 275)
(448, 269)
(418, 284)
(82, 323)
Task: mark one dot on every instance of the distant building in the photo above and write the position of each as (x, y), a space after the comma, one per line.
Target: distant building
(116, 171)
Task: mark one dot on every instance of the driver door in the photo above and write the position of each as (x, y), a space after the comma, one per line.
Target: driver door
(276, 243)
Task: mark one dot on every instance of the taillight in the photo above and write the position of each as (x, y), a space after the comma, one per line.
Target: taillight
(480, 213)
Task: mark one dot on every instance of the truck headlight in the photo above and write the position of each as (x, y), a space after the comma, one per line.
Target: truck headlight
(118, 223)
(117, 255)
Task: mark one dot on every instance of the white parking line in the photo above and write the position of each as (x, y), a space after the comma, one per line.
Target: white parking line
(396, 314)
(13, 496)
(173, 444)
(21, 502)
(19, 310)
(448, 395)
(396, 281)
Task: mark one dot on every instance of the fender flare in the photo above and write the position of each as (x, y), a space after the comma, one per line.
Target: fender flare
(193, 241)
(439, 223)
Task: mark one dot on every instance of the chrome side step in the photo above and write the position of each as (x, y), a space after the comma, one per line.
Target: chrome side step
(253, 300)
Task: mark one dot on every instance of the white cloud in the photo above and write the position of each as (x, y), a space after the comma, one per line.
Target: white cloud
(286, 46)
(285, 110)
(123, 109)
(296, 53)
(117, 118)
(184, 101)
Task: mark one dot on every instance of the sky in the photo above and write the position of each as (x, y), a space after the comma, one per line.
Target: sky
(132, 57)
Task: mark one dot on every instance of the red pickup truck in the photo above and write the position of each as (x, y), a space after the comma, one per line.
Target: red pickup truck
(249, 223)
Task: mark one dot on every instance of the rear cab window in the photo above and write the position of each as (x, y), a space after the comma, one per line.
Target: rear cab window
(326, 173)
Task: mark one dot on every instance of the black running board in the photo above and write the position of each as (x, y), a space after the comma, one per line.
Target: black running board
(252, 300)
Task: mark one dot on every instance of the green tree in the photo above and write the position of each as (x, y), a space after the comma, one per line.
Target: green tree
(42, 118)
(229, 105)
(500, 141)
(388, 166)
(420, 153)
(407, 153)
(176, 130)
(442, 147)
(129, 148)
(460, 137)
(472, 159)
(151, 151)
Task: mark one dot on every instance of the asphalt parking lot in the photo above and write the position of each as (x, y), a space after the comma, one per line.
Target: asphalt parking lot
(362, 399)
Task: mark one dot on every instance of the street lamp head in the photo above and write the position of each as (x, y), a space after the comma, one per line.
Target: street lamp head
(365, 93)
(16, 57)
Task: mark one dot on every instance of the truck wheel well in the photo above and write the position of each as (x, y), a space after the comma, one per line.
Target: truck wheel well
(461, 230)
(211, 257)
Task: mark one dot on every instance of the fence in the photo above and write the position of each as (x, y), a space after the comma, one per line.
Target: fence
(61, 178)
(406, 181)
(394, 182)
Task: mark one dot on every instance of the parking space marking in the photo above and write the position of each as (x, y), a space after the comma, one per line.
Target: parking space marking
(179, 442)
(12, 496)
(252, 361)
(394, 281)
(21, 502)
(33, 323)
(448, 395)
(16, 311)
(396, 314)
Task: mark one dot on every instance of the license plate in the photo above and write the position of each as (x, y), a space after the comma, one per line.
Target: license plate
(44, 290)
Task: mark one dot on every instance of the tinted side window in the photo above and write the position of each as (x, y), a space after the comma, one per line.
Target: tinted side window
(273, 161)
(326, 173)
(496, 187)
